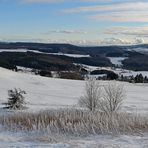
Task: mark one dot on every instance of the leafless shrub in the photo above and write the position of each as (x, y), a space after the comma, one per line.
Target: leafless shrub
(113, 97)
(92, 95)
(106, 98)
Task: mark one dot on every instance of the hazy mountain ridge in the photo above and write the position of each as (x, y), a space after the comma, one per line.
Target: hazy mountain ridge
(98, 55)
(69, 48)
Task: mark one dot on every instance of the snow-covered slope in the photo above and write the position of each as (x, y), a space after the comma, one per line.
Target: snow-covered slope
(140, 49)
(45, 93)
(117, 60)
(42, 93)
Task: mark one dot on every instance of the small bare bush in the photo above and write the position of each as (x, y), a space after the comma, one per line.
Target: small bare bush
(92, 95)
(113, 97)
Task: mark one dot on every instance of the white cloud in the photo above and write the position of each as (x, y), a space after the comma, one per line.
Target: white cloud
(67, 32)
(130, 31)
(139, 41)
(110, 7)
(109, 10)
(116, 12)
(115, 41)
(82, 42)
(128, 16)
(99, 42)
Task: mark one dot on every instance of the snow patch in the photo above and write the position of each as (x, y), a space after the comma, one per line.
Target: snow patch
(117, 60)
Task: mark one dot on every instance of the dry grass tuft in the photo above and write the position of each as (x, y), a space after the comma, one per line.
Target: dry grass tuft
(76, 122)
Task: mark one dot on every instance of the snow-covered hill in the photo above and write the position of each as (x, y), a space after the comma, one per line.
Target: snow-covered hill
(46, 93)
(42, 93)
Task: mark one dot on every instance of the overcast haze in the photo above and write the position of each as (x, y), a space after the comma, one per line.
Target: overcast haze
(84, 22)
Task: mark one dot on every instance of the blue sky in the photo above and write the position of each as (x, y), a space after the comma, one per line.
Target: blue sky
(89, 22)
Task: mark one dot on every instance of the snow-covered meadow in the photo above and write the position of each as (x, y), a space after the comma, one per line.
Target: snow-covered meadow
(117, 60)
(36, 140)
(47, 93)
(119, 71)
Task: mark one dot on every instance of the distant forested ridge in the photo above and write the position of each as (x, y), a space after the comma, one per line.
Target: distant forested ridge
(98, 56)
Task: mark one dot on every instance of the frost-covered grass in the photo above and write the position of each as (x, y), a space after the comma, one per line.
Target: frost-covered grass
(76, 122)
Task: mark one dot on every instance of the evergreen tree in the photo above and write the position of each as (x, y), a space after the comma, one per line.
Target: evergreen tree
(145, 79)
(16, 99)
(139, 78)
(112, 76)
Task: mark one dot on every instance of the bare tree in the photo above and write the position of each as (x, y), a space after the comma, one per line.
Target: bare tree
(16, 99)
(113, 96)
(92, 95)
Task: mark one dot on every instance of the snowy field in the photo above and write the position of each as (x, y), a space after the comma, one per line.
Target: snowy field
(139, 49)
(35, 140)
(119, 71)
(46, 93)
(117, 60)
